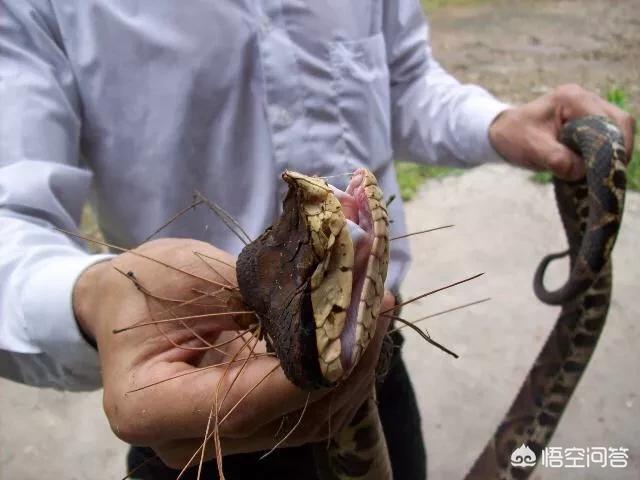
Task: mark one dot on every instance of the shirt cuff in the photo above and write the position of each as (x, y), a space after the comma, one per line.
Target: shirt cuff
(483, 110)
(49, 318)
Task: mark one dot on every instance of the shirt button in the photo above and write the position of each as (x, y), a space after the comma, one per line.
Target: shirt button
(265, 25)
(280, 116)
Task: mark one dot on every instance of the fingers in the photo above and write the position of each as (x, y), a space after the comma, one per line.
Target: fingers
(249, 397)
(180, 408)
(284, 397)
(575, 102)
(320, 419)
(527, 136)
(313, 427)
(272, 398)
(627, 124)
(277, 396)
(563, 162)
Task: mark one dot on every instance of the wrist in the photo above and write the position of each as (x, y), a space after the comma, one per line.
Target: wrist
(505, 136)
(497, 131)
(84, 299)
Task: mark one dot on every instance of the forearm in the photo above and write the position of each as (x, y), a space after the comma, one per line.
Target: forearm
(438, 120)
(38, 330)
(435, 119)
(42, 185)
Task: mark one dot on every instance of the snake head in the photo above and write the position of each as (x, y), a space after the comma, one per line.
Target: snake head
(316, 276)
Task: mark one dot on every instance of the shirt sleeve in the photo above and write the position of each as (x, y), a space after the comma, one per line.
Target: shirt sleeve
(435, 119)
(42, 185)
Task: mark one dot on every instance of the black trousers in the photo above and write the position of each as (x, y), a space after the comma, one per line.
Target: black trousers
(400, 421)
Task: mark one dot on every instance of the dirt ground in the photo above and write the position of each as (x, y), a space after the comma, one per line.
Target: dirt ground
(504, 225)
(521, 49)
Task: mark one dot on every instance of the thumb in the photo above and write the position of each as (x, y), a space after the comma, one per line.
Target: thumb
(563, 162)
(386, 306)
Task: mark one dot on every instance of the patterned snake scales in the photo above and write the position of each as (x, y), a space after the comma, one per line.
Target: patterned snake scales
(316, 279)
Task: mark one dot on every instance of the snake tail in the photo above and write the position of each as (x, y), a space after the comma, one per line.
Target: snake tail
(591, 212)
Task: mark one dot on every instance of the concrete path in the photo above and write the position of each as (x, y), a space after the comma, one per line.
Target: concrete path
(504, 225)
(46, 434)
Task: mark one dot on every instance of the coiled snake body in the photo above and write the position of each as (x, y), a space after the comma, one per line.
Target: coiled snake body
(316, 279)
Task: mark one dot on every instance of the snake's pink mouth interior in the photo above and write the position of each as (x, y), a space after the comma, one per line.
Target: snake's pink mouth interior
(360, 223)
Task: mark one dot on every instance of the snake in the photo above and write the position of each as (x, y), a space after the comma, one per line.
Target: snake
(315, 279)
(591, 212)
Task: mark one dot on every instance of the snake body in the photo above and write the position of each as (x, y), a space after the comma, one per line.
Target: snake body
(317, 282)
(591, 211)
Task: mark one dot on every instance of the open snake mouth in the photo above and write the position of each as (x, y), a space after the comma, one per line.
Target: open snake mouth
(315, 278)
(357, 212)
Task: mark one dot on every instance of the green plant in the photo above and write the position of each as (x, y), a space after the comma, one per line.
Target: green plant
(618, 96)
(541, 177)
(411, 176)
(431, 5)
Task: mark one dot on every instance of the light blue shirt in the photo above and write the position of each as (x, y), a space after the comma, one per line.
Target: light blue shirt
(135, 104)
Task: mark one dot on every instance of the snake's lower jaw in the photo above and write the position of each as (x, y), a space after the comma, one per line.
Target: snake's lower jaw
(337, 331)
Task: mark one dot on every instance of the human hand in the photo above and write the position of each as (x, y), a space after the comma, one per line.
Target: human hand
(171, 417)
(527, 136)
